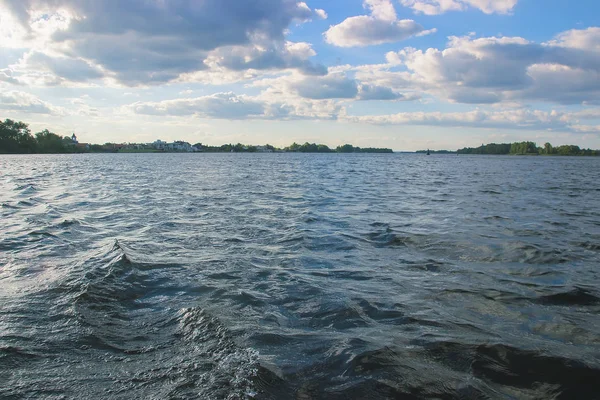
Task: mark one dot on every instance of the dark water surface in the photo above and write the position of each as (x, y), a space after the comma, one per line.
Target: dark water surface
(290, 276)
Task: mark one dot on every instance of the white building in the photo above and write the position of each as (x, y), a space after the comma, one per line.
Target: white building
(263, 149)
(159, 145)
(175, 146)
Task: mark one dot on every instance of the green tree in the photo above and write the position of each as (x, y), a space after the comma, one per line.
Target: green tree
(548, 149)
(293, 147)
(15, 137)
(346, 148)
(523, 148)
(568, 150)
(49, 142)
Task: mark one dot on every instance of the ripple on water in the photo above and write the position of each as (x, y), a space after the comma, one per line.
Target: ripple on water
(276, 276)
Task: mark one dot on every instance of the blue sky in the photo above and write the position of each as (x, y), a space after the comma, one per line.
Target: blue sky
(404, 74)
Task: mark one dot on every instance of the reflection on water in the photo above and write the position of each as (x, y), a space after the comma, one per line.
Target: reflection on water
(299, 276)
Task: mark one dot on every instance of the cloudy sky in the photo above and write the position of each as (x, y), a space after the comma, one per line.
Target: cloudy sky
(404, 74)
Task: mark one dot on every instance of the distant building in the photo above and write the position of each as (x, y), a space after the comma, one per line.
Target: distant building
(175, 146)
(74, 138)
(263, 149)
(159, 145)
(113, 146)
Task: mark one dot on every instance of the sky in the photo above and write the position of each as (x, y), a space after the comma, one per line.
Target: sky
(401, 74)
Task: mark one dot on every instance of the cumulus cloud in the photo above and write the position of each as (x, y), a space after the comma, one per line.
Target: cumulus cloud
(219, 105)
(273, 105)
(584, 39)
(26, 102)
(328, 87)
(434, 7)
(82, 108)
(142, 42)
(58, 69)
(6, 75)
(288, 55)
(381, 9)
(232, 106)
(562, 84)
(374, 92)
(336, 85)
(505, 119)
(491, 70)
(382, 26)
(321, 13)
(590, 113)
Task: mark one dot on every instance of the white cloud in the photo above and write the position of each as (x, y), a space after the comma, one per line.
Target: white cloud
(26, 102)
(294, 86)
(55, 70)
(142, 42)
(82, 108)
(522, 119)
(232, 106)
(219, 105)
(328, 87)
(6, 75)
(382, 26)
(272, 104)
(336, 85)
(506, 69)
(561, 84)
(381, 9)
(434, 7)
(321, 13)
(373, 92)
(589, 113)
(584, 39)
(272, 56)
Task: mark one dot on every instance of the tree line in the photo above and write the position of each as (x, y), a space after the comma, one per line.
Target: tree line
(529, 148)
(16, 137)
(293, 148)
(321, 148)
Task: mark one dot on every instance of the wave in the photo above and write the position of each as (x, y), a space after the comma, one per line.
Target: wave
(461, 370)
(574, 297)
(26, 189)
(386, 237)
(593, 246)
(486, 252)
(118, 313)
(397, 281)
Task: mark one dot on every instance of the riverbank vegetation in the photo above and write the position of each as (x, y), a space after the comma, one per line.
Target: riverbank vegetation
(16, 137)
(321, 148)
(529, 148)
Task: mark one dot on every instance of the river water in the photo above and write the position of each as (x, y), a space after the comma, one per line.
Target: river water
(299, 276)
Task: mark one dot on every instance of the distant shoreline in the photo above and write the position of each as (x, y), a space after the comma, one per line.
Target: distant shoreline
(16, 138)
(520, 149)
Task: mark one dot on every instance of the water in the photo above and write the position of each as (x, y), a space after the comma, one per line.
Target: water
(281, 276)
